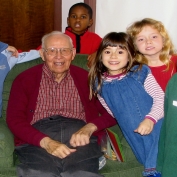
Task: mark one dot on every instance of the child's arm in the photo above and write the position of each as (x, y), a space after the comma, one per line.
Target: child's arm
(22, 57)
(28, 56)
(156, 112)
(145, 127)
(104, 105)
(13, 50)
(91, 59)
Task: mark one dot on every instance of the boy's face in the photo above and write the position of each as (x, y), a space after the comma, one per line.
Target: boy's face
(79, 20)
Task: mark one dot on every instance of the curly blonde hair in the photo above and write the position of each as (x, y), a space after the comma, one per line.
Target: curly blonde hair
(168, 48)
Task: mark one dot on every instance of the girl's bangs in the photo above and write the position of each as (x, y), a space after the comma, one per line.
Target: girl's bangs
(115, 44)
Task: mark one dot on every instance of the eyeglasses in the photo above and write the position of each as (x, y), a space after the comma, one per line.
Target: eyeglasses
(54, 51)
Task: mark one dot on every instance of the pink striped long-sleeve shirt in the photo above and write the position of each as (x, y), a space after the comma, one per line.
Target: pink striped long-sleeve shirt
(153, 89)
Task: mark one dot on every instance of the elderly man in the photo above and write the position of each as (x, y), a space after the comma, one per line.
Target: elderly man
(52, 118)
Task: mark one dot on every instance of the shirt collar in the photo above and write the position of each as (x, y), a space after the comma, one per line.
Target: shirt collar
(105, 74)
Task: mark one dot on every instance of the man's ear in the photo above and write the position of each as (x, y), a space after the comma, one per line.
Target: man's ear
(74, 53)
(41, 52)
(90, 22)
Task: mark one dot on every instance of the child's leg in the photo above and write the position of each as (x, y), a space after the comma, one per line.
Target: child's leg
(144, 147)
(151, 150)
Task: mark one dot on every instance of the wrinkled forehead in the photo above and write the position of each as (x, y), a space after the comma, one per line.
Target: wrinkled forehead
(58, 41)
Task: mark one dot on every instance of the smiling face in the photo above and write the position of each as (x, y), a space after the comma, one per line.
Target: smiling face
(115, 59)
(79, 20)
(58, 63)
(149, 42)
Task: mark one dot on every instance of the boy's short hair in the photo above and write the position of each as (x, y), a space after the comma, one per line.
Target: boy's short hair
(90, 12)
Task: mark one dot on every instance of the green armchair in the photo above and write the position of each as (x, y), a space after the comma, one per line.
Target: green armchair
(8, 160)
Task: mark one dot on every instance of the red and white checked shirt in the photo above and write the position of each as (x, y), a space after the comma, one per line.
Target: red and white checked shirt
(58, 98)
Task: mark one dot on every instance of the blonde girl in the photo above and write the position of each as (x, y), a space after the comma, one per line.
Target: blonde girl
(154, 48)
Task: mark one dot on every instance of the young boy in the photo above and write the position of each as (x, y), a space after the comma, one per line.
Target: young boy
(8, 58)
(79, 20)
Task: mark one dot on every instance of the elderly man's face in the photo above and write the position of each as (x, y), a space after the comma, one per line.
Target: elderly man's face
(56, 55)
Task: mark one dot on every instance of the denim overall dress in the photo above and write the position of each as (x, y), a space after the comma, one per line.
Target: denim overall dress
(130, 103)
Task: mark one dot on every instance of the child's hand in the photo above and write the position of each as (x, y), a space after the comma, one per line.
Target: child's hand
(13, 50)
(145, 127)
(90, 59)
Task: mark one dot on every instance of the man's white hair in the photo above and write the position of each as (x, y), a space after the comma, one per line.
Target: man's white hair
(55, 33)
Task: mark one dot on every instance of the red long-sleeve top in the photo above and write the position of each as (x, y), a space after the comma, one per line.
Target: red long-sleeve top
(89, 41)
(162, 75)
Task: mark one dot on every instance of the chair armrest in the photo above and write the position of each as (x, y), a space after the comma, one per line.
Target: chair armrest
(6, 145)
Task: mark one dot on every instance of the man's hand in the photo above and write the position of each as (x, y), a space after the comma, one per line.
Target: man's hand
(145, 127)
(91, 59)
(13, 50)
(82, 137)
(56, 148)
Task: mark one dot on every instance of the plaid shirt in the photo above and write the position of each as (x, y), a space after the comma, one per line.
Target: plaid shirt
(58, 98)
